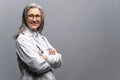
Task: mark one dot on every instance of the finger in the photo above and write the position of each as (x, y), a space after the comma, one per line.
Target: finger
(53, 52)
(50, 51)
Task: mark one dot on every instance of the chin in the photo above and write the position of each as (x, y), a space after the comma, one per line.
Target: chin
(34, 27)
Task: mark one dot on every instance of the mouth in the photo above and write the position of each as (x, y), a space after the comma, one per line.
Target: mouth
(34, 23)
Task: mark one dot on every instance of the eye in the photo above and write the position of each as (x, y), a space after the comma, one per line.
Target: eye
(31, 15)
(38, 16)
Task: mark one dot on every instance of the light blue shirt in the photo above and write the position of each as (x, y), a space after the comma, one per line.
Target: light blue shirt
(30, 45)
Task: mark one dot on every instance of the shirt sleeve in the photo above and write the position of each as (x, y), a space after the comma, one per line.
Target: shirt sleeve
(54, 60)
(28, 54)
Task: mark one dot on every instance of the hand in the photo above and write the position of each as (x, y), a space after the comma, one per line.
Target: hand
(52, 52)
(44, 57)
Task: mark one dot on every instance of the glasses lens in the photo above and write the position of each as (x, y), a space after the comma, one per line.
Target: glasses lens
(31, 16)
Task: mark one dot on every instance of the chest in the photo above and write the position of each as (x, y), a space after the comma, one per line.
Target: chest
(40, 45)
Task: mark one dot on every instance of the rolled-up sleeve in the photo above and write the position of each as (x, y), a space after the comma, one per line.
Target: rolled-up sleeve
(28, 54)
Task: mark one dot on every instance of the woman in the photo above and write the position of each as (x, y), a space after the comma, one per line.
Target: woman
(36, 57)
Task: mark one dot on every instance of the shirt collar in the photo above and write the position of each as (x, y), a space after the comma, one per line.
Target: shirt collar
(29, 32)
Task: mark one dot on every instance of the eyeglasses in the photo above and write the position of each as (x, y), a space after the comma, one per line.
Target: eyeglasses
(31, 16)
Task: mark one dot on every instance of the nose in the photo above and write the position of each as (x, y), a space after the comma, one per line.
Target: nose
(34, 18)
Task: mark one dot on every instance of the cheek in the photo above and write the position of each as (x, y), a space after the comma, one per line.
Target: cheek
(27, 23)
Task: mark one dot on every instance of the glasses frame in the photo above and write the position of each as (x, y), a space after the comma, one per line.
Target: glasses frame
(32, 16)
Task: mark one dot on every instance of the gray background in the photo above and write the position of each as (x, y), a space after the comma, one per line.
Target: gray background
(85, 32)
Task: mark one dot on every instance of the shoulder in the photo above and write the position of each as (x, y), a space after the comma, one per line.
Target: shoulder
(22, 38)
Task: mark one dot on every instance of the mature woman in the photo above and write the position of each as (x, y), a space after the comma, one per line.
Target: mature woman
(36, 57)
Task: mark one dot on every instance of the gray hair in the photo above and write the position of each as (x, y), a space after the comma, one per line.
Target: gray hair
(24, 15)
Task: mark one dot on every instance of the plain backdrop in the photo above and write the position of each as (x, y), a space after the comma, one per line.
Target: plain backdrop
(85, 32)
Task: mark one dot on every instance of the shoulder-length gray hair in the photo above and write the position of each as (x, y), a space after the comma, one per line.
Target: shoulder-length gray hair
(24, 15)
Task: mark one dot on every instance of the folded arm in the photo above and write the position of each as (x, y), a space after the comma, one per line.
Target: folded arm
(54, 58)
(28, 54)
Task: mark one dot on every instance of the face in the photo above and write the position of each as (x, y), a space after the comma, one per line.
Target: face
(34, 17)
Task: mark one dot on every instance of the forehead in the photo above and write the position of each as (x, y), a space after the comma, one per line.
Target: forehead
(33, 11)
